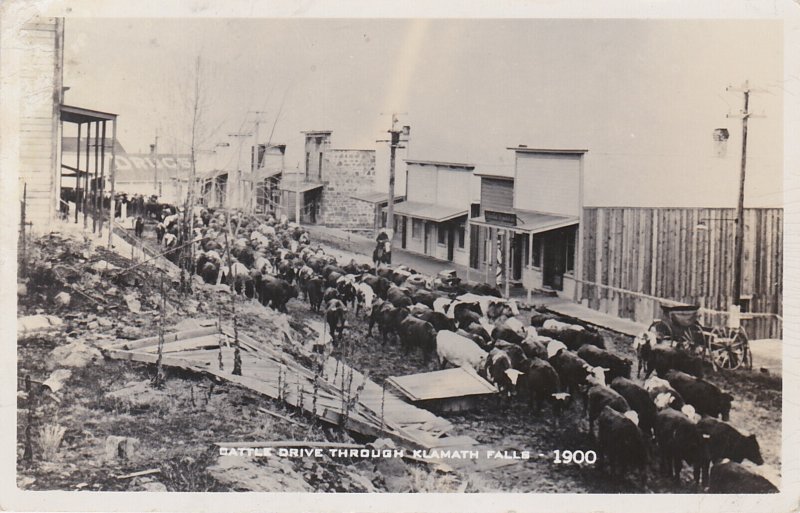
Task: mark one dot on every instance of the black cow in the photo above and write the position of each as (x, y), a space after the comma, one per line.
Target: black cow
(138, 226)
(617, 366)
(332, 278)
(334, 315)
(571, 370)
(706, 398)
(275, 293)
(680, 440)
(329, 294)
(329, 269)
(620, 444)
(514, 351)
(599, 397)
(534, 349)
(439, 320)
(482, 289)
(378, 284)
(662, 358)
(732, 477)
(161, 230)
(503, 332)
(415, 333)
(727, 442)
(574, 339)
(425, 297)
(210, 272)
(388, 318)
(314, 292)
(497, 363)
(639, 400)
(540, 382)
(398, 297)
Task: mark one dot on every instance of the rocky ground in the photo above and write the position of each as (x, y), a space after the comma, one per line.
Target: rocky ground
(171, 430)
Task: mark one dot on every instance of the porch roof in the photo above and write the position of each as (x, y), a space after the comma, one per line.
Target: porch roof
(531, 222)
(429, 211)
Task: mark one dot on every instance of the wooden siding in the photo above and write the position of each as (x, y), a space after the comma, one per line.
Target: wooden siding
(421, 184)
(660, 253)
(548, 183)
(497, 194)
(40, 82)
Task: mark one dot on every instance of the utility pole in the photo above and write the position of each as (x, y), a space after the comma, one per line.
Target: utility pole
(739, 242)
(234, 182)
(155, 166)
(254, 158)
(394, 143)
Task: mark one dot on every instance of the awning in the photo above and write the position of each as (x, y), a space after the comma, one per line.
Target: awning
(429, 211)
(376, 197)
(264, 173)
(214, 173)
(531, 222)
(301, 187)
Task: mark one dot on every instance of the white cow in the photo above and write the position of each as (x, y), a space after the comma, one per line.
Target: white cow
(459, 351)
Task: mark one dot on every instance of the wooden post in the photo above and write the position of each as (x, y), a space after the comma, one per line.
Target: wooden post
(113, 183)
(507, 260)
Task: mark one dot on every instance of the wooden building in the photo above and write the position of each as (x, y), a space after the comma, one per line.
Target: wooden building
(433, 219)
(525, 230)
(636, 258)
(41, 54)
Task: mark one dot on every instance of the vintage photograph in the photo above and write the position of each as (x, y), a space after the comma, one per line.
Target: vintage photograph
(399, 255)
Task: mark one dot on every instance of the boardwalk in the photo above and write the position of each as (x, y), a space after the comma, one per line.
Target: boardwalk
(339, 394)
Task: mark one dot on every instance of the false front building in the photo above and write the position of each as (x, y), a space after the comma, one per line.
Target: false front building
(525, 230)
(433, 219)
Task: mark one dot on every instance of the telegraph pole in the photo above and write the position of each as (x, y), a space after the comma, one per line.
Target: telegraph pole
(394, 143)
(154, 148)
(739, 243)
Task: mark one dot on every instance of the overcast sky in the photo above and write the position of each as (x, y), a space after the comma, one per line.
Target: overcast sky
(642, 96)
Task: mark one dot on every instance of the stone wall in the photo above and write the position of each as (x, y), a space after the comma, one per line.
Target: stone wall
(344, 173)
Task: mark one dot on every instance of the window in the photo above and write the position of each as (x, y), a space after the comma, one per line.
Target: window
(570, 249)
(441, 234)
(416, 229)
(319, 172)
(461, 236)
(536, 256)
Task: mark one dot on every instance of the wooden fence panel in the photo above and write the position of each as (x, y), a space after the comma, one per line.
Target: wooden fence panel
(684, 255)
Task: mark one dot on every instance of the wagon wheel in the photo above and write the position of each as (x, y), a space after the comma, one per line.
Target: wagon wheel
(661, 329)
(730, 348)
(693, 338)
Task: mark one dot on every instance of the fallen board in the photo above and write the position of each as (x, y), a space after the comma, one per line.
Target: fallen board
(443, 384)
(341, 396)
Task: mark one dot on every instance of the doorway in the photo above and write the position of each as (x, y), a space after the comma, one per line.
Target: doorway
(451, 241)
(558, 256)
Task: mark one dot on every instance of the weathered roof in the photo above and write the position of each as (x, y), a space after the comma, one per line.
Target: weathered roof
(525, 149)
(443, 384)
(291, 186)
(376, 197)
(69, 144)
(73, 114)
(429, 211)
(533, 222)
(465, 166)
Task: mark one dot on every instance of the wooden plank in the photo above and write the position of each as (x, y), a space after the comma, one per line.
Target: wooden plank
(168, 337)
(207, 341)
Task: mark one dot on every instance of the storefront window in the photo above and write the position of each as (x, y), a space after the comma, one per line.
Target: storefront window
(441, 234)
(570, 249)
(461, 236)
(416, 229)
(536, 256)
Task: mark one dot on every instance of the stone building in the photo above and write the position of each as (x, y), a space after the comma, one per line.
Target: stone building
(327, 187)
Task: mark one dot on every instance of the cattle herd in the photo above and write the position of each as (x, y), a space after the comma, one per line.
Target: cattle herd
(671, 415)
